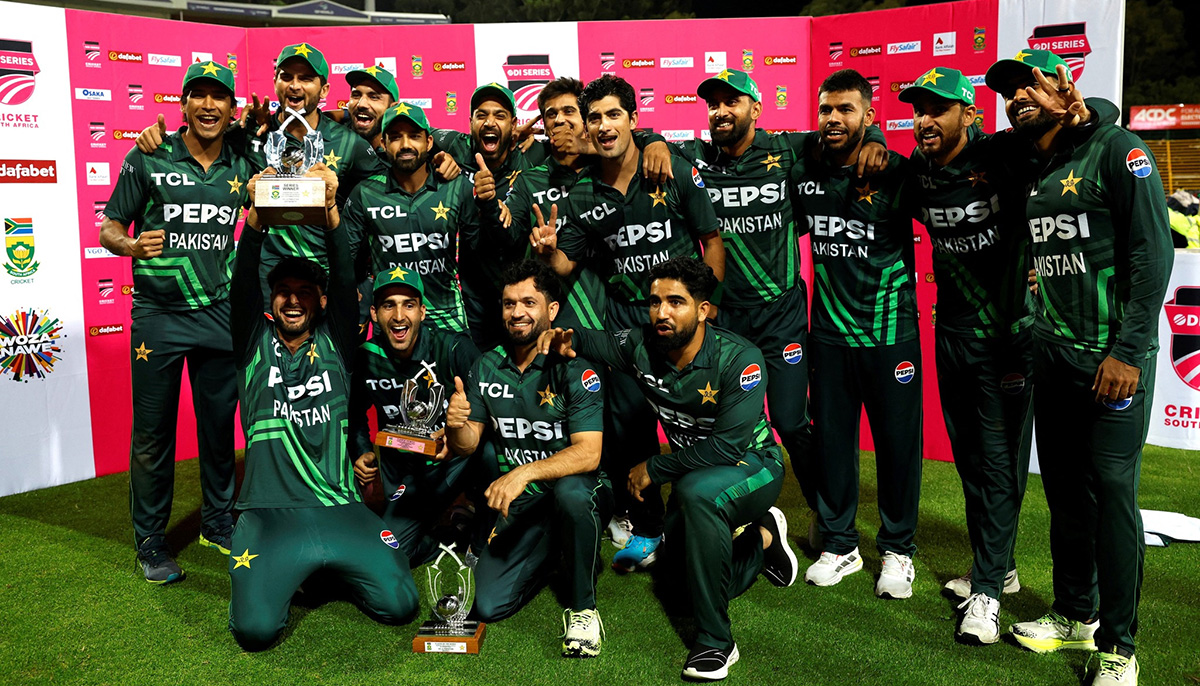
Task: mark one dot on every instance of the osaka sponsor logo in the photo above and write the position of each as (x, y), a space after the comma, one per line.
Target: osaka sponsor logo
(905, 372)
(751, 375)
(93, 94)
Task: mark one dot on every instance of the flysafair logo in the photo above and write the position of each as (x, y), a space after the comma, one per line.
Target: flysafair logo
(1012, 383)
(390, 539)
(1183, 316)
(29, 344)
(751, 375)
(1138, 163)
(393, 498)
(527, 75)
(905, 371)
(1068, 41)
(18, 71)
(792, 353)
(18, 246)
(591, 380)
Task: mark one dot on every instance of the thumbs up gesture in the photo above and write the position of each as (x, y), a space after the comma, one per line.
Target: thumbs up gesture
(485, 181)
(459, 410)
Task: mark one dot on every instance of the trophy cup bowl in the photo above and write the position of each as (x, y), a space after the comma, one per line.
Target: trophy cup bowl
(414, 432)
(288, 196)
(450, 631)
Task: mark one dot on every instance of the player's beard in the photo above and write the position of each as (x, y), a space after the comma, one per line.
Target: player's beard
(410, 166)
(676, 339)
(740, 127)
(1034, 128)
(517, 340)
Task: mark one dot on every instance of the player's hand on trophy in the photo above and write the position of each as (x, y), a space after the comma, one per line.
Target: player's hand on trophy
(251, 186)
(365, 470)
(1059, 98)
(485, 181)
(872, 159)
(639, 480)
(444, 166)
(556, 340)
(505, 490)
(444, 451)
(543, 238)
(148, 244)
(656, 163)
(1115, 380)
(152, 136)
(459, 410)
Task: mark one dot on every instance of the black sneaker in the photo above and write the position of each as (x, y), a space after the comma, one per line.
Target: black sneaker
(157, 563)
(219, 540)
(779, 562)
(709, 664)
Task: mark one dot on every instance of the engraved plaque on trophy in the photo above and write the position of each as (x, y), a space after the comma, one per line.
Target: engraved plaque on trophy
(414, 432)
(288, 196)
(450, 631)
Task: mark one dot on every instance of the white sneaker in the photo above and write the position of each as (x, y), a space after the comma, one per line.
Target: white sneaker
(582, 633)
(896, 577)
(830, 568)
(980, 621)
(1052, 632)
(961, 586)
(1116, 670)
(620, 529)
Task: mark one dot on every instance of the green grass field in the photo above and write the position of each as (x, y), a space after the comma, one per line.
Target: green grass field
(75, 610)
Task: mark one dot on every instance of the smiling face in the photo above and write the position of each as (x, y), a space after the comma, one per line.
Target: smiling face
(940, 125)
(207, 109)
(295, 306)
(842, 119)
(674, 314)
(408, 145)
(492, 129)
(1025, 115)
(298, 86)
(610, 126)
(398, 313)
(526, 312)
(731, 115)
(368, 102)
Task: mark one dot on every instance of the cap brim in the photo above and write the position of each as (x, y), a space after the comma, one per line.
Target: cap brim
(707, 85)
(404, 117)
(220, 83)
(1004, 72)
(491, 93)
(909, 95)
(353, 78)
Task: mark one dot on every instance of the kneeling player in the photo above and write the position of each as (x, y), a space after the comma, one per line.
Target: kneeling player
(548, 418)
(300, 510)
(707, 386)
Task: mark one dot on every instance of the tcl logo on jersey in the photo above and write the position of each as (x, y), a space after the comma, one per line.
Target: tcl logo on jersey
(1063, 226)
(1138, 163)
(1012, 384)
(822, 225)
(680, 99)
(412, 242)
(495, 390)
(590, 380)
(390, 539)
(550, 195)
(28, 171)
(629, 235)
(751, 375)
(742, 196)
(519, 427)
(792, 353)
(905, 372)
(949, 217)
(171, 179)
(316, 385)
(121, 56)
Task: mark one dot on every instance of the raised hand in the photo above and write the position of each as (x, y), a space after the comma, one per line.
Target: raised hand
(1059, 98)
(485, 181)
(543, 238)
(557, 340)
(152, 136)
(459, 410)
(445, 167)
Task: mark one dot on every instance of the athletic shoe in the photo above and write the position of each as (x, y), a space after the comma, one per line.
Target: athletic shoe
(157, 564)
(709, 664)
(1116, 670)
(896, 577)
(220, 541)
(638, 553)
(980, 621)
(831, 567)
(582, 633)
(961, 586)
(1052, 632)
(779, 562)
(620, 530)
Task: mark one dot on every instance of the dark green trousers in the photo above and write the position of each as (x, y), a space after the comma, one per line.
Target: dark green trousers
(564, 521)
(1091, 460)
(417, 493)
(275, 550)
(200, 338)
(986, 387)
(780, 330)
(887, 382)
(705, 507)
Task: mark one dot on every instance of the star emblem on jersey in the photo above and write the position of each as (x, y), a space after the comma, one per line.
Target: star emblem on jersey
(331, 160)
(659, 196)
(865, 193)
(977, 177)
(312, 353)
(402, 108)
(243, 560)
(211, 68)
(513, 176)
(397, 273)
(1020, 56)
(547, 396)
(772, 161)
(1070, 183)
(441, 211)
(142, 352)
(491, 535)
(708, 393)
(303, 49)
(235, 186)
(931, 77)
(429, 380)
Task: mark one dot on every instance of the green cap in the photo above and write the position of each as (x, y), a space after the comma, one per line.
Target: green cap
(739, 81)
(210, 71)
(494, 89)
(408, 112)
(399, 277)
(1005, 72)
(379, 75)
(309, 54)
(942, 82)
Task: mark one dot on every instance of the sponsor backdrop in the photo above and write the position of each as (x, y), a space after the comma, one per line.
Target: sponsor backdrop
(1175, 419)
(64, 302)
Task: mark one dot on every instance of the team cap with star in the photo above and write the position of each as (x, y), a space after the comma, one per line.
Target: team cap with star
(1005, 74)
(309, 54)
(208, 71)
(494, 89)
(942, 82)
(398, 276)
(407, 112)
(379, 75)
(738, 80)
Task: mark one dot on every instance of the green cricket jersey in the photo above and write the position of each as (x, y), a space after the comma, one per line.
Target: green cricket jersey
(196, 209)
(419, 232)
(1101, 245)
(864, 288)
(621, 236)
(295, 407)
(711, 410)
(379, 376)
(534, 413)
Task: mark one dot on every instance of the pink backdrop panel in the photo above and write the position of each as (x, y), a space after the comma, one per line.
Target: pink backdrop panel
(137, 65)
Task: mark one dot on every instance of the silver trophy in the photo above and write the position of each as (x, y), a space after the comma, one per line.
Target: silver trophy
(452, 592)
(414, 432)
(288, 196)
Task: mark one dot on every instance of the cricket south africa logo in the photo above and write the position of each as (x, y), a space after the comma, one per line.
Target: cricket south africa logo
(527, 75)
(1068, 41)
(1183, 316)
(18, 71)
(18, 248)
(29, 344)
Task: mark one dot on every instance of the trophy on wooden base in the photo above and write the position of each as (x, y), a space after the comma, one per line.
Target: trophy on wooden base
(450, 631)
(414, 432)
(288, 196)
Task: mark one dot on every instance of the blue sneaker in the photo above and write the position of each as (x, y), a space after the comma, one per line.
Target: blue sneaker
(638, 553)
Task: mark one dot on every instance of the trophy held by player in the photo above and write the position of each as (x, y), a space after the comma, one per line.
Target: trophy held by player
(450, 631)
(288, 196)
(414, 432)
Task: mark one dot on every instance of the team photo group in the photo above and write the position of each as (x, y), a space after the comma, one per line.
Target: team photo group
(539, 306)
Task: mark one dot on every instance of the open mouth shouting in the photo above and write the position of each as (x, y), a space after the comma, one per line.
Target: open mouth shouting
(399, 331)
(294, 101)
(207, 122)
(490, 141)
(364, 119)
(607, 140)
(835, 135)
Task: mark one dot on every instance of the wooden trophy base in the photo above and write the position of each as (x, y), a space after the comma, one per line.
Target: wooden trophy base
(409, 444)
(432, 637)
(290, 200)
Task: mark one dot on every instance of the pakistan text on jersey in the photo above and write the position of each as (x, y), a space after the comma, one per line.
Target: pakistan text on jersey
(758, 224)
(839, 250)
(965, 244)
(639, 264)
(1060, 265)
(422, 267)
(179, 240)
(309, 416)
(519, 456)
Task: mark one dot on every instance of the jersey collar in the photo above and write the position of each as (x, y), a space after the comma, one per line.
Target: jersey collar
(539, 362)
(180, 153)
(431, 181)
